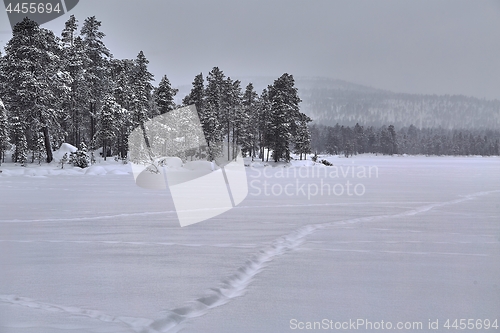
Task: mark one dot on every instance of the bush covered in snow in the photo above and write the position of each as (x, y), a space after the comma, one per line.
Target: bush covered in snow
(80, 158)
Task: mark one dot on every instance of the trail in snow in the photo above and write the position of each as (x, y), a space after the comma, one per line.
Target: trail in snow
(234, 285)
(93, 314)
(92, 218)
(401, 252)
(237, 284)
(55, 241)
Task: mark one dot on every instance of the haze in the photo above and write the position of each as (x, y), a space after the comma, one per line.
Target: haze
(432, 47)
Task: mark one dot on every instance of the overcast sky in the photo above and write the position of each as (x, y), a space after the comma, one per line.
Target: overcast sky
(433, 47)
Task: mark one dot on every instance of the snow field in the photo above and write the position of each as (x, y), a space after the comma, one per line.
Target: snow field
(99, 254)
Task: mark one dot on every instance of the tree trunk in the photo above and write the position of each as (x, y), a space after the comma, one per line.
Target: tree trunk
(104, 149)
(48, 148)
(92, 122)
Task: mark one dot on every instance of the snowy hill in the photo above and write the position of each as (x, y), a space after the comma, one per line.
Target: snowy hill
(330, 101)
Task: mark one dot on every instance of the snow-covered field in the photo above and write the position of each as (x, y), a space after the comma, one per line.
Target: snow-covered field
(411, 239)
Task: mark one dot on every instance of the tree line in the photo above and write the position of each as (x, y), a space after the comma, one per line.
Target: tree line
(348, 141)
(71, 89)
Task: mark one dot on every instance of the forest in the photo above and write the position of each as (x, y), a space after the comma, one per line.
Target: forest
(71, 89)
(387, 140)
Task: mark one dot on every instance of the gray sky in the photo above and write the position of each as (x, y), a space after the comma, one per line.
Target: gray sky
(434, 47)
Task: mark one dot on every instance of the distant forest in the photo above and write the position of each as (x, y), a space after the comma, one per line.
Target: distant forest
(329, 102)
(388, 140)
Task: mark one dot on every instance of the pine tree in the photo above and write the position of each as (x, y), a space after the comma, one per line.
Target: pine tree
(284, 115)
(69, 32)
(164, 96)
(211, 117)
(264, 124)
(36, 85)
(231, 115)
(38, 152)
(393, 140)
(122, 73)
(142, 88)
(302, 138)
(80, 157)
(76, 61)
(250, 120)
(197, 94)
(97, 72)
(108, 123)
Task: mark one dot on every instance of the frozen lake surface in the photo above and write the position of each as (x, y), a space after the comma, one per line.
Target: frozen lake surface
(419, 241)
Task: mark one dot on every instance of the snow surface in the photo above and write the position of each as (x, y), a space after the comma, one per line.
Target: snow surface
(65, 148)
(86, 250)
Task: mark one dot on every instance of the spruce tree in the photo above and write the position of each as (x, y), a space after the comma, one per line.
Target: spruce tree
(76, 61)
(197, 94)
(250, 120)
(284, 115)
(302, 137)
(142, 88)
(36, 84)
(122, 73)
(97, 71)
(231, 117)
(108, 123)
(264, 124)
(211, 117)
(164, 96)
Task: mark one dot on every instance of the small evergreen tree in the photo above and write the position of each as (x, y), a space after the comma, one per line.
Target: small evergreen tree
(63, 160)
(80, 158)
(164, 96)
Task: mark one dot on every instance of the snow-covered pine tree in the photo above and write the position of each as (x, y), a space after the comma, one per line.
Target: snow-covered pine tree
(264, 124)
(80, 158)
(142, 88)
(197, 95)
(249, 122)
(164, 96)
(230, 115)
(284, 114)
(239, 118)
(211, 116)
(108, 119)
(4, 132)
(35, 83)
(97, 71)
(394, 142)
(122, 73)
(302, 137)
(75, 62)
(361, 139)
